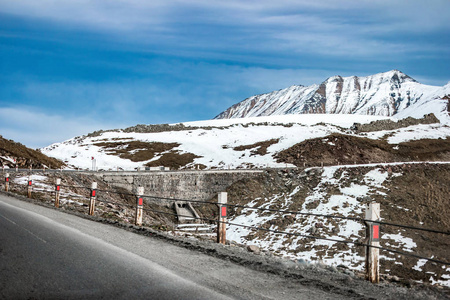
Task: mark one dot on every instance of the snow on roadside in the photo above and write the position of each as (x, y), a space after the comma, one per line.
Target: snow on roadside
(248, 217)
(406, 244)
(40, 183)
(347, 202)
(376, 178)
(445, 281)
(420, 263)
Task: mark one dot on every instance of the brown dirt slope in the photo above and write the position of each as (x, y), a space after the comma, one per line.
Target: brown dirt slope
(25, 157)
(141, 151)
(174, 160)
(259, 148)
(338, 149)
(414, 194)
(135, 150)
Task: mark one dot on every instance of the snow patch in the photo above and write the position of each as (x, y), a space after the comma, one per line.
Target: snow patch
(420, 263)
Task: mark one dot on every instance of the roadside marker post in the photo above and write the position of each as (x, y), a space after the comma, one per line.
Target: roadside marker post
(57, 191)
(30, 186)
(92, 199)
(221, 224)
(6, 182)
(373, 234)
(139, 206)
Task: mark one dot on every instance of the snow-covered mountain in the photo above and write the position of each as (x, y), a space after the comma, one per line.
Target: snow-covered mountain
(355, 129)
(385, 94)
(273, 123)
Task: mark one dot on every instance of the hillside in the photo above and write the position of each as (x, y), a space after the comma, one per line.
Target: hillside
(409, 194)
(339, 149)
(391, 93)
(12, 154)
(274, 141)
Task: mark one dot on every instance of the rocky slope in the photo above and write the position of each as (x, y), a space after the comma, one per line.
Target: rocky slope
(12, 154)
(409, 194)
(338, 149)
(386, 94)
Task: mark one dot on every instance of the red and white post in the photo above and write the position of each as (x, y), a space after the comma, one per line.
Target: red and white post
(29, 188)
(221, 224)
(139, 206)
(373, 233)
(92, 199)
(57, 191)
(6, 182)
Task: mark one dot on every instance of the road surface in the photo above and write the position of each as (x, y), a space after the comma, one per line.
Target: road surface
(49, 254)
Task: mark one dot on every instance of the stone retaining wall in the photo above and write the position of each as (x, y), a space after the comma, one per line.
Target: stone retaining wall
(191, 185)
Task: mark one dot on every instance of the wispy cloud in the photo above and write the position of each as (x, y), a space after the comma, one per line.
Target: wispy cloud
(328, 27)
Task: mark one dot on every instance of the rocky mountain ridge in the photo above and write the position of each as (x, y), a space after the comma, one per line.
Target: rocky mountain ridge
(391, 93)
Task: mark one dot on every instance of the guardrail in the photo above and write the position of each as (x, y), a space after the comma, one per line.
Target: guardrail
(372, 220)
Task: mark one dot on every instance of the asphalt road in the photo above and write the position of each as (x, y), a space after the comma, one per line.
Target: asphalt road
(48, 254)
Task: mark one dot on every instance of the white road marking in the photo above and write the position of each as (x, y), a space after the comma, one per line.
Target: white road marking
(39, 238)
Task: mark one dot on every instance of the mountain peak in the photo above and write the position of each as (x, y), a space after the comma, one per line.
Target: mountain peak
(336, 78)
(382, 94)
(396, 76)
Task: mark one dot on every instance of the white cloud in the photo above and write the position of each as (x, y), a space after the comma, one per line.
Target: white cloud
(128, 14)
(330, 27)
(117, 14)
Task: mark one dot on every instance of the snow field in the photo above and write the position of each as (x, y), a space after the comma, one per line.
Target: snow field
(215, 146)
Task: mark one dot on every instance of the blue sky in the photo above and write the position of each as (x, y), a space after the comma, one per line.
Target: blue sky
(70, 67)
